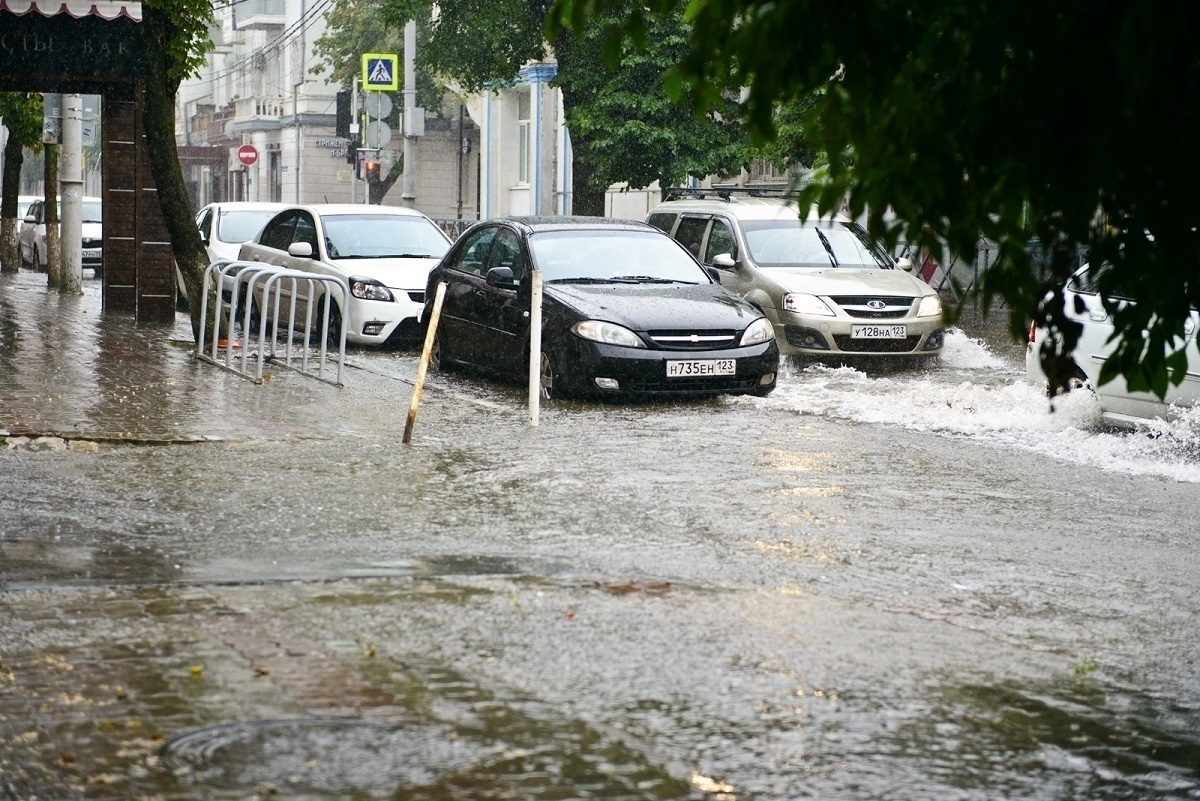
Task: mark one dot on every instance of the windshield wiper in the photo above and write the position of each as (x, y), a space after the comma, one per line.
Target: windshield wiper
(580, 280)
(647, 279)
(828, 247)
(381, 256)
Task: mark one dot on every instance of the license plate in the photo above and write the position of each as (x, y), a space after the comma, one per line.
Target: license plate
(701, 367)
(93, 254)
(878, 332)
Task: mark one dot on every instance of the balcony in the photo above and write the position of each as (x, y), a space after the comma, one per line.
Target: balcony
(251, 14)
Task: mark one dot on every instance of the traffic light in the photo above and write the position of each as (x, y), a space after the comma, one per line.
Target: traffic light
(352, 153)
(373, 172)
(343, 115)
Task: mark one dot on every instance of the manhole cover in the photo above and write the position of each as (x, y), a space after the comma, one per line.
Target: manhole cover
(318, 755)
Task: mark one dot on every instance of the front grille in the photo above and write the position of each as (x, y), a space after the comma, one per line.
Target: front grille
(93, 243)
(712, 384)
(848, 344)
(715, 339)
(860, 306)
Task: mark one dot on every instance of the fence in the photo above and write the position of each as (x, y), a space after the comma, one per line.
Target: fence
(251, 298)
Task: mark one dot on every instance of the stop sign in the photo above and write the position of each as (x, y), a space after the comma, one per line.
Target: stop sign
(247, 154)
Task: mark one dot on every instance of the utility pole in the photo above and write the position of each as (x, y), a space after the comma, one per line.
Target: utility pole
(71, 185)
(409, 195)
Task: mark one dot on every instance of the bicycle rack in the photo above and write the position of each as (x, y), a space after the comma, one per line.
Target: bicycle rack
(255, 281)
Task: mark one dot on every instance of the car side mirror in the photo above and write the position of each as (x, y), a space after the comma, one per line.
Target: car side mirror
(713, 273)
(904, 263)
(724, 261)
(502, 278)
(29, 218)
(301, 250)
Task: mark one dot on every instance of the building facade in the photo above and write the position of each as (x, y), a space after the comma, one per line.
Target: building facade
(261, 89)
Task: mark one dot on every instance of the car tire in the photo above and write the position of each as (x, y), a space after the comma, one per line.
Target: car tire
(38, 263)
(335, 321)
(437, 353)
(550, 379)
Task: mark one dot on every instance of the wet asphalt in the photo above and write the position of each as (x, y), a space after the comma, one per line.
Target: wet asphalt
(229, 590)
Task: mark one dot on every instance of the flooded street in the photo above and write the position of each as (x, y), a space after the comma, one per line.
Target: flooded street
(873, 584)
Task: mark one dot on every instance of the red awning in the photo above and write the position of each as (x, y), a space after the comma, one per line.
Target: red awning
(108, 9)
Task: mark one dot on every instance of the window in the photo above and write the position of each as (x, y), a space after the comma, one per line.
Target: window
(720, 240)
(473, 254)
(506, 252)
(523, 136)
(278, 233)
(690, 233)
(306, 231)
(662, 220)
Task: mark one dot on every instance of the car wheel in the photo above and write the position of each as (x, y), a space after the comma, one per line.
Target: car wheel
(39, 264)
(550, 379)
(335, 321)
(437, 352)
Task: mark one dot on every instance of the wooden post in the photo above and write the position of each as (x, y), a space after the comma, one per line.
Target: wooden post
(434, 315)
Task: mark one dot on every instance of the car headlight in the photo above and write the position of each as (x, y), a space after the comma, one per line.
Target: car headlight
(930, 305)
(806, 304)
(369, 289)
(608, 333)
(760, 330)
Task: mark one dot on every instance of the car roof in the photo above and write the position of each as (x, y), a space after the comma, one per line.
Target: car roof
(576, 223)
(246, 205)
(742, 206)
(357, 208)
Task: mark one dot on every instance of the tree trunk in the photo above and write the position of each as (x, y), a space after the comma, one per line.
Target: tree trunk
(10, 259)
(586, 200)
(53, 251)
(158, 122)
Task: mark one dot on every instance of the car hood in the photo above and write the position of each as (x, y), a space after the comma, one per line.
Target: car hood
(650, 307)
(406, 274)
(849, 281)
(92, 230)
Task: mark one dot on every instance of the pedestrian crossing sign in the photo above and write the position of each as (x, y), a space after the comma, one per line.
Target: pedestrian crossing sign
(380, 73)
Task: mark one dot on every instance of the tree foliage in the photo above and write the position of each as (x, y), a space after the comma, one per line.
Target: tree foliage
(22, 116)
(1067, 121)
(635, 133)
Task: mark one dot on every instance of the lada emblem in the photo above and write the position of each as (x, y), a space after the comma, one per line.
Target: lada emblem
(876, 305)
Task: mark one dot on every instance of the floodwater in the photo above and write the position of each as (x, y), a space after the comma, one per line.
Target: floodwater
(873, 584)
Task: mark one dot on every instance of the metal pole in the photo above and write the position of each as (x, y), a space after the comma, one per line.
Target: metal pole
(535, 346)
(462, 143)
(71, 187)
(354, 136)
(434, 315)
(409, 195)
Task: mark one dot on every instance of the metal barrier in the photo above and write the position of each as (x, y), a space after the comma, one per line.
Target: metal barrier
(246, 282)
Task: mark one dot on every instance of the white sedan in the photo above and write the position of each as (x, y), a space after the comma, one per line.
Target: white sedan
(384, 254)
(1118, 403)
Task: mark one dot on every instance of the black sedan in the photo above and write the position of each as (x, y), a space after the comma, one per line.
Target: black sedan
(626, 311)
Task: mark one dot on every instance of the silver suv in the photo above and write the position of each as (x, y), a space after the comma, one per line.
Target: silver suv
(827, 287)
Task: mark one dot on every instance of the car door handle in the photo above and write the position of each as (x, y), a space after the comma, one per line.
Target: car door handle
(1098, 314)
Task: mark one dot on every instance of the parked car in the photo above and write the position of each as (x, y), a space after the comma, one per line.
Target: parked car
(384, 253)
(826, 286)
(32, 237)
(1119, 405)
(626, 312)
(224, 228)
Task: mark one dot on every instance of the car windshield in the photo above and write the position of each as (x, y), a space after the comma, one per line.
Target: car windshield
(613, 256)
(792, 243)
(380, 236)
(242, 225)
(91, 212)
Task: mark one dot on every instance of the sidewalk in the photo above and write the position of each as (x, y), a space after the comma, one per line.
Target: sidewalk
(72, 372)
